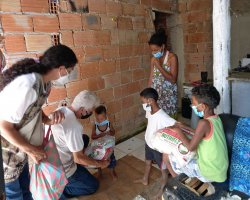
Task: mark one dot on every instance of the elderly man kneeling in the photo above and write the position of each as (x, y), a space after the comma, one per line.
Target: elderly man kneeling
(68, 136)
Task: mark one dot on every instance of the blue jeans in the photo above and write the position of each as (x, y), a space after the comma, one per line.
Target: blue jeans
(80, 183)
(19, 189)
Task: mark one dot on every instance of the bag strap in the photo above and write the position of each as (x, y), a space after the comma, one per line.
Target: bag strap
(47, 135)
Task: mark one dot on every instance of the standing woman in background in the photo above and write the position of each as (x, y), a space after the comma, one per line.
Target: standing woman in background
(25, 87)
(164, 73)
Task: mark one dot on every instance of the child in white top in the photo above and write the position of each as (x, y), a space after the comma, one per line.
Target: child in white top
(101, 128)
(157, 119)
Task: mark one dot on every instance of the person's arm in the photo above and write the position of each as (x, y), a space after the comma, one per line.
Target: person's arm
(82, 159)
(112, 130)
(202, 129)
(183, 126)
(151, 73)
(9, 132)
(94, 136)
(173, 74)
(55, 117)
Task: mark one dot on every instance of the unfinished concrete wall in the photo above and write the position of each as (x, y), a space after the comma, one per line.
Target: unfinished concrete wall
(109, 39)
(196, 22)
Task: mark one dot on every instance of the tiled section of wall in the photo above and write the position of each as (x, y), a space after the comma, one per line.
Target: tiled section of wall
(109, 38)
(196, 17)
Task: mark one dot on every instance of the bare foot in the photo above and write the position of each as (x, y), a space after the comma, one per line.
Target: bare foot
(113, 175)
(142, 181)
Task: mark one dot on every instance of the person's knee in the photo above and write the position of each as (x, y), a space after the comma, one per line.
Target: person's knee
(94, 186)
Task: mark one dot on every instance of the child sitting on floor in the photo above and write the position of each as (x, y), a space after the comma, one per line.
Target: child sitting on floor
(157, 119)
(101, 128)
(211, 162)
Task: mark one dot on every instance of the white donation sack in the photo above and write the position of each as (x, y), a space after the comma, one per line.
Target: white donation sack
(101, 148)
(167, 141)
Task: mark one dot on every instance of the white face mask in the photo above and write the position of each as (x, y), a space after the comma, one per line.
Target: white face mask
(146, 107)
(62, 80)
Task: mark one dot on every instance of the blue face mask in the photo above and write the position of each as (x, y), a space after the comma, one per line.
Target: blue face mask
(158, 54)
(198, 113)
(103, 123)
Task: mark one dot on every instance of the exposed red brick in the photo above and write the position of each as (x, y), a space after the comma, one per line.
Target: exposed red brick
(199, 5)
(131, 37)
(146, 2)
(79, 51)
(197, 38)
(91, 22)
(118, 92)
(14, 43)
(205, 26)
(107, 67)
(143, 37)
(57, 94)
(10, 6)
(67, 38)
(97, 6)
(134, 62)
(189, 28)
(124, 64)
(73, 88)
(110, 52)
(46, 23)
(109, 22)
(138, 74)
(140, 10)
(131, 1)
(192, 68)
(114, 107)
(93, 53)
(194, 58)
(37, 42)
(126, 77)
(91, 38)
(40, 6)
(138, 23)
(70, 21)
(190, 48)
(128, 9)
(126, 50)
(96, 83)
(199, 16)
(13, 58)
(89, 69)
(106, 95)
(182, 6)
(127, 102)
(17, 23)
(112, 80)
(161, 4)
(114, 37)
(114, 8)
(125, 23)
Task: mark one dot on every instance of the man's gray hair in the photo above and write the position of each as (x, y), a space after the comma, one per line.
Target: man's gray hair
(85, 99)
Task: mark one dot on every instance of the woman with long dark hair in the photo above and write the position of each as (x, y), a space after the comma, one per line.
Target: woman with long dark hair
(164, 73)
(24, 89)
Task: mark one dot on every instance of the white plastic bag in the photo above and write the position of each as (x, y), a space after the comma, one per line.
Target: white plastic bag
(101, 148)
(167, 141)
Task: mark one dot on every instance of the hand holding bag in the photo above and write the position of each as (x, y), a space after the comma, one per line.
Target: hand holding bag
(48, 178)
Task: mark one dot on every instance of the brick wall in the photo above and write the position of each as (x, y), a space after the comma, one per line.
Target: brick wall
(196, 17)
(110, 42)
